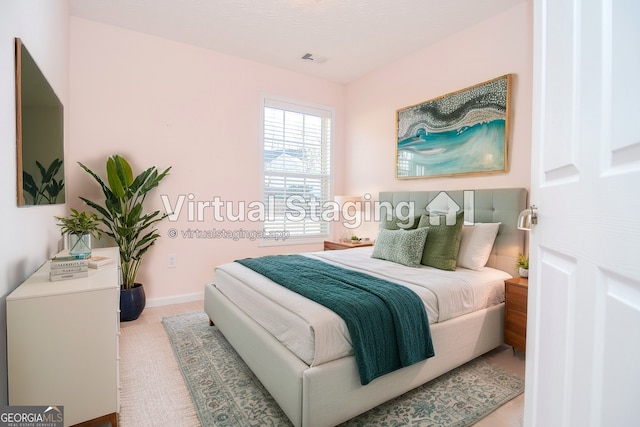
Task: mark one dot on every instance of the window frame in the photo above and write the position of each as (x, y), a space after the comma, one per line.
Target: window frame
(302, 107)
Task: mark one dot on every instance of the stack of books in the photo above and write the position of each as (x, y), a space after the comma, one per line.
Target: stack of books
(68, 267)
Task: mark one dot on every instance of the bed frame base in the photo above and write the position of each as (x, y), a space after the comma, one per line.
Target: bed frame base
(331, 393)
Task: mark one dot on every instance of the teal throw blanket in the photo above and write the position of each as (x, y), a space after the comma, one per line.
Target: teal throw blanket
(387, 322)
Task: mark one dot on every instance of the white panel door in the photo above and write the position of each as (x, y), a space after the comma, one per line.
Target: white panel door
(583, 337)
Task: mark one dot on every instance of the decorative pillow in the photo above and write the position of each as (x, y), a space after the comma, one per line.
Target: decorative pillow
(441, 248)
(476, 243)
(396, 223)
(401, 246)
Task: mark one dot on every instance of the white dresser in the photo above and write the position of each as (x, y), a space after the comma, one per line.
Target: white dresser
(62, 343)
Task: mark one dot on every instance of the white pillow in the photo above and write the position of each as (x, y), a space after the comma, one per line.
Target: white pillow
(476, 244)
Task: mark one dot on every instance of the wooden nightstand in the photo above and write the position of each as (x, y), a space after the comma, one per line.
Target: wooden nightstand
(515, 312)
(334, 245)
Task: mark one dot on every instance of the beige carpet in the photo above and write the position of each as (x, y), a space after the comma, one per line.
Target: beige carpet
(153, 392)
(152, 389)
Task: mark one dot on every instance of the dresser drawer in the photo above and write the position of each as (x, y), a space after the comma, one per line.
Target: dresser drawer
(516, 291)
(516, 297)
(515, 329)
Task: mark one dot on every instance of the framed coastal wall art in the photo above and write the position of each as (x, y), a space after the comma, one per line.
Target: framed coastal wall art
(461, 133)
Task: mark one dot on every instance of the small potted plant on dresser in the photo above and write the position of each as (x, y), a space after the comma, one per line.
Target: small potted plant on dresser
(123, 216)
(522, 264)
(79, 227)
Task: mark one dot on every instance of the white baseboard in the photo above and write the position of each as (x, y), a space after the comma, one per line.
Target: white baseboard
(177, 299)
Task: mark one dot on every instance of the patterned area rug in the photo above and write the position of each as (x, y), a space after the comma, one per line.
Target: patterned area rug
(226, 393)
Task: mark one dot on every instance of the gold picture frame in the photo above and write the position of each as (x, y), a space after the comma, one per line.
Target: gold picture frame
(461, 133)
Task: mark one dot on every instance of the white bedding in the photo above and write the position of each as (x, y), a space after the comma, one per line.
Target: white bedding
(317, 335)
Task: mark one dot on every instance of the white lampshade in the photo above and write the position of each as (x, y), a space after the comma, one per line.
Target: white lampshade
(353, 206)
(356, 200)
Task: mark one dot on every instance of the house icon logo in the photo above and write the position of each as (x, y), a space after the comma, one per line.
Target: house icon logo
(32, 416)
(443, 207)
(53, 408)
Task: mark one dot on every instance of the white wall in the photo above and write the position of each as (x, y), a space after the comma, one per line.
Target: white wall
(498, 46)
(163, 103)
(169, 104)
(29, 234)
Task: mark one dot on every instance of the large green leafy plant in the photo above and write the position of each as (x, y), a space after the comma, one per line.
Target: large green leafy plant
(122, 212)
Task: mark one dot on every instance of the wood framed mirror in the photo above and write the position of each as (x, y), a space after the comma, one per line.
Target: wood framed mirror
(39, 134)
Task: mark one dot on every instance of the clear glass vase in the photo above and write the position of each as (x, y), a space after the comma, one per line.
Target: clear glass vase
(80, 245)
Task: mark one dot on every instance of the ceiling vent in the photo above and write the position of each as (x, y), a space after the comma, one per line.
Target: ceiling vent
(310, 57)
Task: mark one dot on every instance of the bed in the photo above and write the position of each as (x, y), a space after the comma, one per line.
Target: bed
(322, 387)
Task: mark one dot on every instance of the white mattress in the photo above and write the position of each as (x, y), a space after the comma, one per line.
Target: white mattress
(317, 335)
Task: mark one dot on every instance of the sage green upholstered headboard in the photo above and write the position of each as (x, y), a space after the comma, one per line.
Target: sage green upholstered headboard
(487, 205)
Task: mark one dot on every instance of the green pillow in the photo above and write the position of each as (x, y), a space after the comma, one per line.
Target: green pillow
(400, 246)
(443, 244)
(396, 223)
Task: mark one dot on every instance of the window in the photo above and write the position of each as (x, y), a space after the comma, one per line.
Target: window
(297, 168)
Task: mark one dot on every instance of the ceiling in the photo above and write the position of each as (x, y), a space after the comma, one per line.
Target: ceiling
(353, 37)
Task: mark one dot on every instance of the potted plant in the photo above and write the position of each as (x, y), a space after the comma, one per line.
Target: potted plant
(79, 227)
(123, 217)
(522, 264)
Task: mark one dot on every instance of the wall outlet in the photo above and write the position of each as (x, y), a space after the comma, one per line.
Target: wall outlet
(172, 261)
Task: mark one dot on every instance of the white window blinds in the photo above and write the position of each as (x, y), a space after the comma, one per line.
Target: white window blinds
(297, 168)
